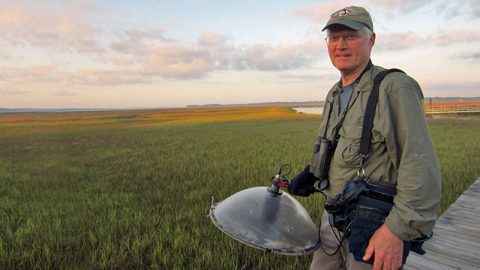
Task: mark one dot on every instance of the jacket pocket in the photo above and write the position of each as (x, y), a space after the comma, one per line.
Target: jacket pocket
(349, 142)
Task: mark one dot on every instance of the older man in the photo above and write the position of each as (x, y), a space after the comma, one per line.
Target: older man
(400, 152)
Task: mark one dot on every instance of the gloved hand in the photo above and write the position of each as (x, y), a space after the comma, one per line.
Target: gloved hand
(302, 184)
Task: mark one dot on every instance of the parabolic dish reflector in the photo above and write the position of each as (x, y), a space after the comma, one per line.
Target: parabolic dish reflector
(265, 220)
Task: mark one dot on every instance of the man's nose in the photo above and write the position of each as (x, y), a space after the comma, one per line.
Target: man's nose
(341, 43)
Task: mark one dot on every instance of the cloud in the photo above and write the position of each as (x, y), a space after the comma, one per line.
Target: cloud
(446, 8)
(328, 75)
(64, 93)
(146, 54)
(475, 4)
(12, 92)
(455, 88)
(21, 25)
(155, 59)
(284, 56)
(94, 76)
(397, 41)
(469, 56)
(404, 40)
(213, 40)
(176, 60)
(450, 37)
(403, 5)
(151, 53)
(466, 9)
(321, 12)
(170, 59)
(166, 58)
(133, 40)
(43, 72)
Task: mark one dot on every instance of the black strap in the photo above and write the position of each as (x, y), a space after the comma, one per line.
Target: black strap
(370, 113)
(330, 105)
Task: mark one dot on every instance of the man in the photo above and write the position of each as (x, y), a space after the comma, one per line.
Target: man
(401, 155)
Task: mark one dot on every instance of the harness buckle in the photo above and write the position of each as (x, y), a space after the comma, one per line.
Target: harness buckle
(361, 170)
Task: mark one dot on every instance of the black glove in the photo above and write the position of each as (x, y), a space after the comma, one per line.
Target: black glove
(302, 184)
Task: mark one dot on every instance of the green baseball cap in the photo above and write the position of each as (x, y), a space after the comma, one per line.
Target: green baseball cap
(351, 17)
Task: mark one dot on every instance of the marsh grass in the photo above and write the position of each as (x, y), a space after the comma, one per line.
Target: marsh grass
(128, 196)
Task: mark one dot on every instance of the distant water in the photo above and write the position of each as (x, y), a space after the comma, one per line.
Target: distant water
(309, 110)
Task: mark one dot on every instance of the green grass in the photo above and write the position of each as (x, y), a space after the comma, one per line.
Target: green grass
(458, 146)
(138, 197)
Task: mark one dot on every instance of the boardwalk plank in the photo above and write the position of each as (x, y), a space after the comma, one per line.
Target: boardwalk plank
(456, 237)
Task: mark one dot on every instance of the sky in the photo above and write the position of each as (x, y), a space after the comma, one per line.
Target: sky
(155, 54)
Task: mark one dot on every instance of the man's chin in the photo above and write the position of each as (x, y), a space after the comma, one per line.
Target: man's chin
(343, 65)
(345, 69)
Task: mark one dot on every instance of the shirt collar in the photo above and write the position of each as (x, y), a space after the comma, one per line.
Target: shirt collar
(357, 80)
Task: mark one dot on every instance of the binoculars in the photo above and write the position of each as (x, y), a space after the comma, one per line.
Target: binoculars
(322, 153)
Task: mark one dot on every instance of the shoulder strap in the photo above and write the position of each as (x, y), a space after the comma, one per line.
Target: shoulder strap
(370, 112)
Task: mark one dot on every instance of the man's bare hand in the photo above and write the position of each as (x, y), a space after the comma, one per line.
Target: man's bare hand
(387, 249)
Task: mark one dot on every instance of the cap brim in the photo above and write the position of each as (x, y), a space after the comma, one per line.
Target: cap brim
(348, 23)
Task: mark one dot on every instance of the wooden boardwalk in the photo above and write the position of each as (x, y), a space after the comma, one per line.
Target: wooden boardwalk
(456, 237)
(451, 107)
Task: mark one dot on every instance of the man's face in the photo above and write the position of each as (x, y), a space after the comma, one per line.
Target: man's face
(351, 49)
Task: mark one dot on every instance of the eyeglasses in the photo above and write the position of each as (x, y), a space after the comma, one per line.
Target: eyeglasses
(348, 38)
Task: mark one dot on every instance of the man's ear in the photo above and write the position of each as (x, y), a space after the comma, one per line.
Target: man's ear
(372, 39)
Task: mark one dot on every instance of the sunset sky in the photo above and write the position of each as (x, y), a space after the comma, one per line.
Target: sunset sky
(143, 54)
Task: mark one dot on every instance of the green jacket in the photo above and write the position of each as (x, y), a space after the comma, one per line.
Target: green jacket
(401, 153)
